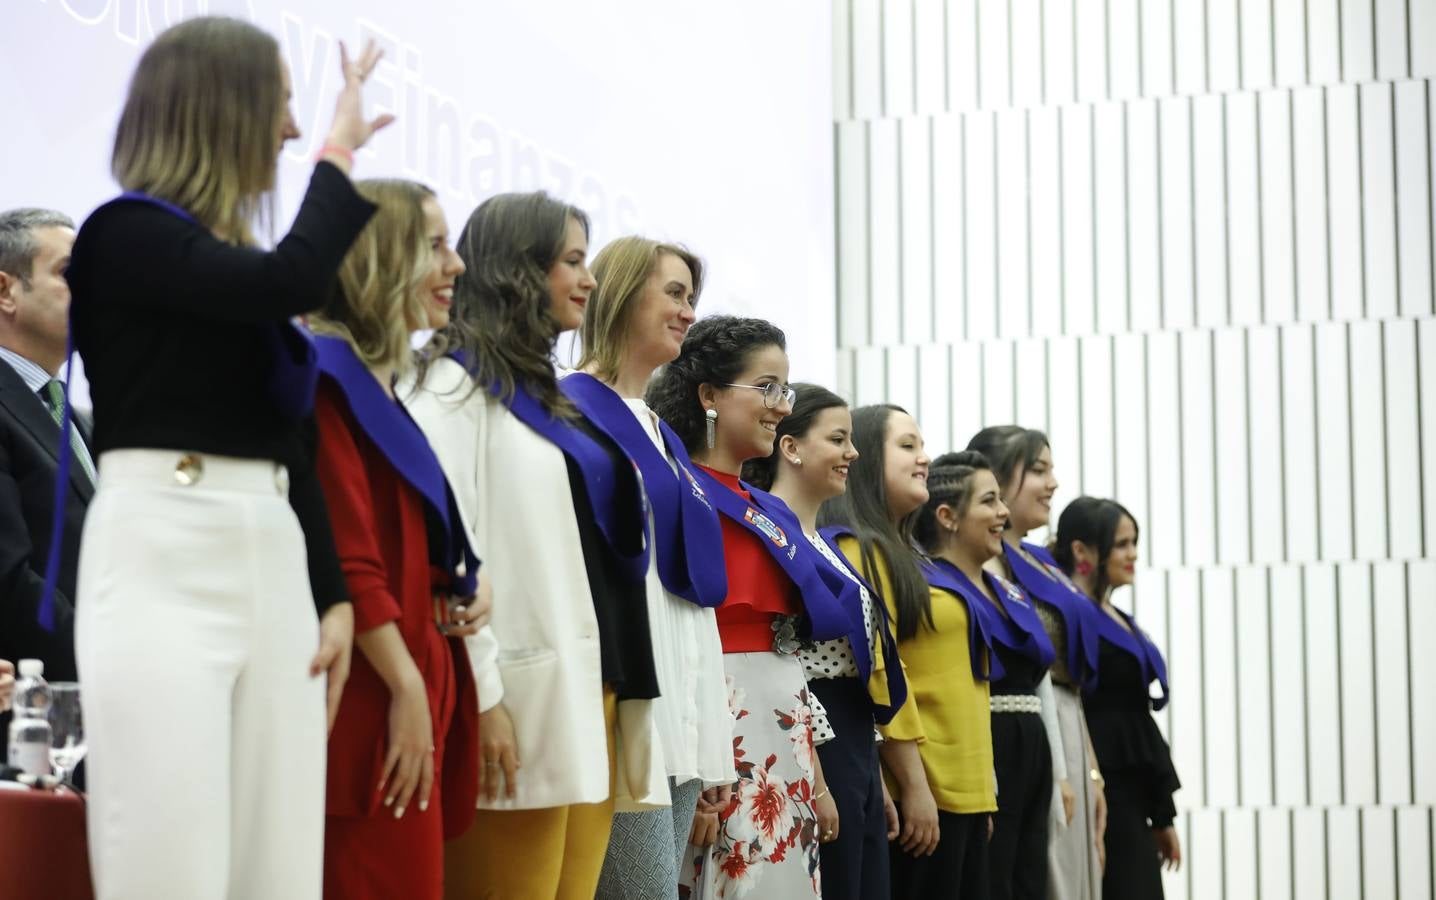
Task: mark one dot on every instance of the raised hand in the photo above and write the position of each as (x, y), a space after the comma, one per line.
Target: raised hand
(350, 129)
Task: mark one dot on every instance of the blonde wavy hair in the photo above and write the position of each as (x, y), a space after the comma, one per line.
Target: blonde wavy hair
(202, 121)
(377, 302)
(622, 269)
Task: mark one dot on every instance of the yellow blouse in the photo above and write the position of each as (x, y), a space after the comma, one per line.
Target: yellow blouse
(947, 710)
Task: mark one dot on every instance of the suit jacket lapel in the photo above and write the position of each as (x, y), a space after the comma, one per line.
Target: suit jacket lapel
(26, 407)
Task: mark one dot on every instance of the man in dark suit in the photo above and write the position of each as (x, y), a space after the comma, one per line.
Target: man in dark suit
(34, 318)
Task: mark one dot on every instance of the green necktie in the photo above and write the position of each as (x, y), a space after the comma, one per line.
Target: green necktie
(54, 393)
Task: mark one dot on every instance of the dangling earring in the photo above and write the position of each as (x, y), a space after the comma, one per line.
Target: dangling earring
(1084, 568)
(710, 430)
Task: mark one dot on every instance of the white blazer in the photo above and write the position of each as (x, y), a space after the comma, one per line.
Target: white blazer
(540, 652)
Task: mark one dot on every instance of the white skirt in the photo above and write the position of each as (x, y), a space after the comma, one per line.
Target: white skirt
(767, 845)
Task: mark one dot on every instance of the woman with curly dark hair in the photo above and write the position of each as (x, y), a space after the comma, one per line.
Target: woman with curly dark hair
(565, 670)
(725, 395)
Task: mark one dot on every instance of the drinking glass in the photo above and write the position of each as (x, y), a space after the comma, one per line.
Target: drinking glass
(67, 746)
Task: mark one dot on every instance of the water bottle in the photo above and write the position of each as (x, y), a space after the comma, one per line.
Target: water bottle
(30, 728)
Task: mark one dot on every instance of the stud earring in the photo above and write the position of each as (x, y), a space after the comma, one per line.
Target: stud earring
(797, 461)
(710, 427)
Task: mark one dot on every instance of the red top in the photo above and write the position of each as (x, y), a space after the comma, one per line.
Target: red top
(758, 588)
(382, 539)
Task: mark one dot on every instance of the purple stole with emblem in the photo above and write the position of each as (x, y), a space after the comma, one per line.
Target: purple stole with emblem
(1078, 611)
(1020, 630)
(387, 424)
(769, 519)
(688, 539)
(849, 591)
(1136, 642)
(945, 577)
(601, 480)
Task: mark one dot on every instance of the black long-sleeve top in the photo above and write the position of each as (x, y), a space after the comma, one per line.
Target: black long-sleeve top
(175, 327)
(1124, 735)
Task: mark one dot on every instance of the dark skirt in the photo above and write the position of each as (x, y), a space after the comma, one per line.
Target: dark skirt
(855, 866)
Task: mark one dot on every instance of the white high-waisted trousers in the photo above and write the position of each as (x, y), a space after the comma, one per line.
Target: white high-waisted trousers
(194, 629)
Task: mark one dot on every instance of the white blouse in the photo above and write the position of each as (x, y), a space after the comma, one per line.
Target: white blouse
(694, 722)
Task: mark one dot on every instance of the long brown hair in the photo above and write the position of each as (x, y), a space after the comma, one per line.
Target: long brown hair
(863, 508)
(201, 124)
(501, 319)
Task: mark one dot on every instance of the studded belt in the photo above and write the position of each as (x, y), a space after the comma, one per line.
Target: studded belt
(1016, 703)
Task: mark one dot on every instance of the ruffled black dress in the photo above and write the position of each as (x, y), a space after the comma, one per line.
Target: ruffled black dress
(1137, 764)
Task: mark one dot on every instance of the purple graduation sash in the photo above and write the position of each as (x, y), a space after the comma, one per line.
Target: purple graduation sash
(293, 368)
(770, 520)
(849, 591)
(1077, 609)
(600, 479)
(945, 577)
(387, 424)
(688, 539)
(1136, 642)
(1021, 629)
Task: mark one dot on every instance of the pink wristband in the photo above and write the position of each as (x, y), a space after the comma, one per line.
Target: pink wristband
(332, 148)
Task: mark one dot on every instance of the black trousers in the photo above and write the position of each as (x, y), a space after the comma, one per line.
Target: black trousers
(1018, 853)
(957, 869)
(1134, 871)
(855, 866)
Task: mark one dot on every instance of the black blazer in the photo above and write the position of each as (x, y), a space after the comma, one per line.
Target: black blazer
(29, 457)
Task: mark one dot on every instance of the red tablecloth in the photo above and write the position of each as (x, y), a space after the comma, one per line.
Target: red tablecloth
(43, 851)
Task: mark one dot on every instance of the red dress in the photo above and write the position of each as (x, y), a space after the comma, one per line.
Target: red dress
(381, 536)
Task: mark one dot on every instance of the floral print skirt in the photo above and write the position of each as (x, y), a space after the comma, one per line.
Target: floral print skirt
(767, 845)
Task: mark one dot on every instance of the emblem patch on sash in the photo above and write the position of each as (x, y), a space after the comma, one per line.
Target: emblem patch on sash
(1014, 593)
(767, 526)
(1061, 576)
(695, 487)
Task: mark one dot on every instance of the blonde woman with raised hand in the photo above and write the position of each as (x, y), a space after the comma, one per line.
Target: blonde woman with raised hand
(207, 548)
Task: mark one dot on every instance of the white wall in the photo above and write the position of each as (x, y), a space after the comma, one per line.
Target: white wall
(1192, 239)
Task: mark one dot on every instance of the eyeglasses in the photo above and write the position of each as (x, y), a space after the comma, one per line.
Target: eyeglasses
(774, 392)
